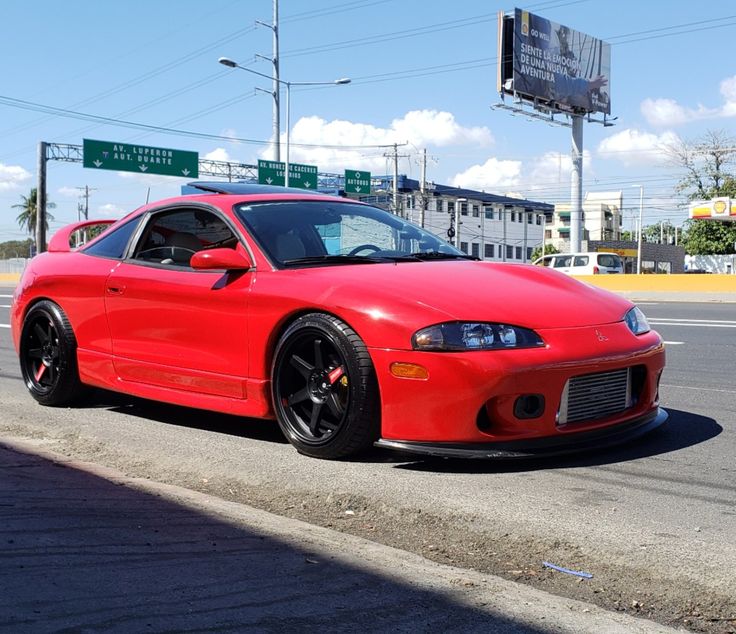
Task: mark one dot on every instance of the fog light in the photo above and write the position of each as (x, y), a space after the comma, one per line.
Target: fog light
(529, 406)
(409, 371)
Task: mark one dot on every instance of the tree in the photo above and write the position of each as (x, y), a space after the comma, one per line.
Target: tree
(548, 250)
(708, 166)
(709, 237)
(29, 212)
(658, 232)
(15, 249)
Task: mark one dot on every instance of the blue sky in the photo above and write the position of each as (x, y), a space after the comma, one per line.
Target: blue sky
(423, 73)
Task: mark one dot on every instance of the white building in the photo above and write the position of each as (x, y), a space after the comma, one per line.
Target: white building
(485, 225)
(602, 220)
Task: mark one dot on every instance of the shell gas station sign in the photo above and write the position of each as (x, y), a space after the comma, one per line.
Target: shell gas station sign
(715, 209)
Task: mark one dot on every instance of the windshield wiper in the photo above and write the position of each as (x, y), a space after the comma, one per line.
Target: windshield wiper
(439, 255)
(336, 259)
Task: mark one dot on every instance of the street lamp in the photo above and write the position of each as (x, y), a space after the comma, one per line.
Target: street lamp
(641, 215)
(226, 61)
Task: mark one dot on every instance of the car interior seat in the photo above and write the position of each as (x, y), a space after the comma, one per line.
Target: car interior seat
(184, 245)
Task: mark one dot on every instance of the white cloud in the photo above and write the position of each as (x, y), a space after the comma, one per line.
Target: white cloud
(728, 90)
(218, 154)
(492, 175)
(421, 128)
(153, 180)
(12, 176)
(68, 192)
(554, 168)
(633, 147)
(432, 127)
(668, 112)
(110, 210)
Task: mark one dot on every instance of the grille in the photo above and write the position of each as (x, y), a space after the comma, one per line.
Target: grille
(593, 396)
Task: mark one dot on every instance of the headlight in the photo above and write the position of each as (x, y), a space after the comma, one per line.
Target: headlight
(460, 335)
(636, 321)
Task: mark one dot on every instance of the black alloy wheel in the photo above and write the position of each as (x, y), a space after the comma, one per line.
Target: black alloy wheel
(324, 388)
(48, 355)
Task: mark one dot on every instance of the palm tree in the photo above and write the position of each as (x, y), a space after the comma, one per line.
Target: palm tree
(29, 207)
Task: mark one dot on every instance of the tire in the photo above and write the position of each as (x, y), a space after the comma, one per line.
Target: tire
(48, 356)
(325, 392)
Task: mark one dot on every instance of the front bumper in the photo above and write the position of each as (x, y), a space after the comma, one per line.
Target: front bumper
(537, 447)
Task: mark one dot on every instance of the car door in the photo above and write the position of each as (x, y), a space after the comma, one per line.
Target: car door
(173, 326)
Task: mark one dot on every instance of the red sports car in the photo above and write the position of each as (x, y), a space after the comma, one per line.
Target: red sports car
(347, 324)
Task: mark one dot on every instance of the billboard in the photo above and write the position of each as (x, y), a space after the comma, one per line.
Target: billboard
(552, 65)
(715, 209)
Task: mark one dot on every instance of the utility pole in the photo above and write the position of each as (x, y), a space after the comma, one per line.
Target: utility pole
(395, 156)
(397, 211)
(276, 82)
(41, 199)
(423, 188)
(84, 209)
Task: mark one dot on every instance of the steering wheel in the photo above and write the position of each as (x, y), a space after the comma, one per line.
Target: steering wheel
(364, 247)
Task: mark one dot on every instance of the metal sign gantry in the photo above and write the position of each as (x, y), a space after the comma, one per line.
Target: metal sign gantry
(75, 154)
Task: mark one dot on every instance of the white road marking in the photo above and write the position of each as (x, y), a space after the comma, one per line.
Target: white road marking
(4, 325)
(674, 343)
(701, 321)
(6, 296)
(700, 389)
(4, 305)
(667, 323)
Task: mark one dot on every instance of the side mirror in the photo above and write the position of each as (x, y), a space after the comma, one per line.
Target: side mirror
(217, 259)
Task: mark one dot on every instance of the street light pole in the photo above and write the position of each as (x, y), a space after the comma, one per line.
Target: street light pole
(226, 61)
(641, 227)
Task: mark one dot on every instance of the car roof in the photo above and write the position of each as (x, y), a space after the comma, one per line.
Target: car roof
(245, 189)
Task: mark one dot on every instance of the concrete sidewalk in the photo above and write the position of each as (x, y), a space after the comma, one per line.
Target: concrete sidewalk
(88, 549)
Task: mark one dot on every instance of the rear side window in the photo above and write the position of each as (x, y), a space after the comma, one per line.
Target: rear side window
(581, 260)
(610, 261)
(173, 237)
(114, 244)
(561, 263)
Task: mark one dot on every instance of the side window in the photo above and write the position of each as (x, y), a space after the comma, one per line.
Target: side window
(113, 245)
(609, 261)
(173, 237)
(581, 260)
(562, 262)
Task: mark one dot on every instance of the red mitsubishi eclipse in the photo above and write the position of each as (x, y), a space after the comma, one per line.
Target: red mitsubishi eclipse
(348, 325)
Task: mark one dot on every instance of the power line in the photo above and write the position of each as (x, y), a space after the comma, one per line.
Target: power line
(71, 114)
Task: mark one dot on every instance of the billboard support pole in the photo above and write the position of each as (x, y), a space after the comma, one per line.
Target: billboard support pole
(576, 184)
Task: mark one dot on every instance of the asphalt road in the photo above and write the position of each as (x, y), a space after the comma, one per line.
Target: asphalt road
(654, 522)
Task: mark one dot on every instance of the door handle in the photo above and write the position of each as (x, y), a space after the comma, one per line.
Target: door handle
(116, 290)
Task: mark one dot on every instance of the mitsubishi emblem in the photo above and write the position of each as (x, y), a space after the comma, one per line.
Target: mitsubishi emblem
(600, 335)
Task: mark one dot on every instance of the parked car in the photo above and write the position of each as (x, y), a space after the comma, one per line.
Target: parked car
(345, 323)
(588, 263)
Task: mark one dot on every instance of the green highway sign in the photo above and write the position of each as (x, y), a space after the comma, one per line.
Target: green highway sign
(271, 172)
(274, 172)
(357, 182)
(142, 159)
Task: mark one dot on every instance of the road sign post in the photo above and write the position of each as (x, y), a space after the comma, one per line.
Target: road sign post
(357, 182)
(301, 176)
(142, 159)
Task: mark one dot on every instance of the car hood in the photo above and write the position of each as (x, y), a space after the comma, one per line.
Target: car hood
(521, 295)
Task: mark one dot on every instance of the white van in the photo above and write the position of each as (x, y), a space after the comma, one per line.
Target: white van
(590, 263)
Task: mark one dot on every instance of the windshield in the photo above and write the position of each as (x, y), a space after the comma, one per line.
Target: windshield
(313, 233)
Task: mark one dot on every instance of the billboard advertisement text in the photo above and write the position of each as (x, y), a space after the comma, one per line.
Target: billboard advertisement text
(553, 64)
